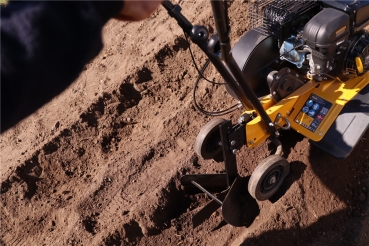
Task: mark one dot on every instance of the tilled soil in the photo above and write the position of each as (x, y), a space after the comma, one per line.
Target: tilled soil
(100, 164)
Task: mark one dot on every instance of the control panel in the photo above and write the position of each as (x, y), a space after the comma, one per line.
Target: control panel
(313, 112)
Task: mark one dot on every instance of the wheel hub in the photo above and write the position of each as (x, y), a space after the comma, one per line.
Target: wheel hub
(272, 180)
(268, 177)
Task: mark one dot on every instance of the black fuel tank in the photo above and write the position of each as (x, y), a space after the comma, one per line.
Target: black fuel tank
(357, 10)
(326, 30)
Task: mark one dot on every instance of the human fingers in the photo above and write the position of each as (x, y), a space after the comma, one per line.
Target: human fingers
(136, 10)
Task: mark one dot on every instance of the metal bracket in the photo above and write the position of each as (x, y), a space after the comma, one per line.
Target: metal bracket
(228, 154)
(237, 137)
(232, 139)
(284, 127)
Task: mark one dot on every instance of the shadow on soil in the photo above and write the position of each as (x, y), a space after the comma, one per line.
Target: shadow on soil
(172, 204)
(297, 168)
(346, 179)
(129, 234)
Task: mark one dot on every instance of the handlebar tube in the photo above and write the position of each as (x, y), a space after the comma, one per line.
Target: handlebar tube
(230, 72)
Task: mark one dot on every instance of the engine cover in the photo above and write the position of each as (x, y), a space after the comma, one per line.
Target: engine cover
(323, 34)
(357, 10)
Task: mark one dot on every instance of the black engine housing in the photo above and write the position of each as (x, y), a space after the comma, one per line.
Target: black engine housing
(315, 39)
(323, 34)
(338, 44)
(357, 10)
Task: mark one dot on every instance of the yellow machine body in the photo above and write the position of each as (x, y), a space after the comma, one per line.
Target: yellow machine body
(332, 93)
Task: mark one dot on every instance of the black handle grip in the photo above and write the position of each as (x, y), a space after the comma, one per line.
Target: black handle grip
(175, 12)
(167, 5)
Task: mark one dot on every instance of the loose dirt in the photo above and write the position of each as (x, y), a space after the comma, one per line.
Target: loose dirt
(100, 164)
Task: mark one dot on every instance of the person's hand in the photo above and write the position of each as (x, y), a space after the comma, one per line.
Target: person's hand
(136, 10)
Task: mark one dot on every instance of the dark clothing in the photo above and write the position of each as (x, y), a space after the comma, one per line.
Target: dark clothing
(44, 47)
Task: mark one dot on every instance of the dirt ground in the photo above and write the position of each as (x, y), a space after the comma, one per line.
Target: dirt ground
(100, 164)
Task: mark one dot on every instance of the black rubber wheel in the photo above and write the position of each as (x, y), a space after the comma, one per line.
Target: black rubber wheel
(207, 141)
(268, 177)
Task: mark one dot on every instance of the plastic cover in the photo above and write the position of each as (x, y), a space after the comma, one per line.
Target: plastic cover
(326, 28)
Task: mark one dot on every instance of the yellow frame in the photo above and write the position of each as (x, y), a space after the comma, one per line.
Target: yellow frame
(334, 91)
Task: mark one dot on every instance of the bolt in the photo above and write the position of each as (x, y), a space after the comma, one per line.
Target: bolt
(277, 133)
(320, 133)
(220, 143)
(318, 67)
(338, 52)
(288, 113)
(234, 151)
(330, 67)
(271, 124)
(241, 119)
(347, 73)
(297, 75)
(233, 142)
(288, 70)
(274, 93)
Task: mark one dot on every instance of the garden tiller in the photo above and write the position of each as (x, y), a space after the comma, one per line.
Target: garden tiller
(302, 65)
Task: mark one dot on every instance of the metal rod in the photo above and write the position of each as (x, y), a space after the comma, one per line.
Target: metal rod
(207, 192)
(222, 28)
(278, 144)
(223, 33)
(230, 161)
(174, 11)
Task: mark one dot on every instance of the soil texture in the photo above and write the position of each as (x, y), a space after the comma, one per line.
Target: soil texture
(101, 163)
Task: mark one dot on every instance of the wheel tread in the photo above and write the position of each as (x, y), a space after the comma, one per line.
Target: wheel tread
(261, 172)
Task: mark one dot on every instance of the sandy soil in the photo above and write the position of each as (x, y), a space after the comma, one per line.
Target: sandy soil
(100, 164)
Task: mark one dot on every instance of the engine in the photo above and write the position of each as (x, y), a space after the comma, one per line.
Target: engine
(316, 40)
(330, 47)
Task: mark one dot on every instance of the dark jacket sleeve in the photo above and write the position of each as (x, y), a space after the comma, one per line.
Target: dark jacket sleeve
(44, 47)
